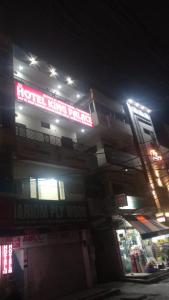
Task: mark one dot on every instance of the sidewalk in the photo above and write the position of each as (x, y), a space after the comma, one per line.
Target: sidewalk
(124, 291)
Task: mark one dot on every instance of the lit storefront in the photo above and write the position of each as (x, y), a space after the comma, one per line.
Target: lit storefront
(143, 243)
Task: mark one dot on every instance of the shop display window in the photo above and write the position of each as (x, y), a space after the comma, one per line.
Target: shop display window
(143, 256)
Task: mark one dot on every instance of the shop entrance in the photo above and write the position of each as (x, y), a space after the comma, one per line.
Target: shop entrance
(145, 252)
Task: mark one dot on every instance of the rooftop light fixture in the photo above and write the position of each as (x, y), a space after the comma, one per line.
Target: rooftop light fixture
(53, 72)
(130, 101)
(69, 80)
(136, 104)
(32, 60)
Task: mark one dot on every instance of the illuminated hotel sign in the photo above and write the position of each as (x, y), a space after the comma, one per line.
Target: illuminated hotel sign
(37, 98)
(6, 259)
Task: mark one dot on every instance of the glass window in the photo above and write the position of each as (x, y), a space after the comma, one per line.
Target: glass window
(47, 189)
(33, 189)
(61, 190)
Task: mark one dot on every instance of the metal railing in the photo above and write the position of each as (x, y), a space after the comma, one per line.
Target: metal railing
(39, 136)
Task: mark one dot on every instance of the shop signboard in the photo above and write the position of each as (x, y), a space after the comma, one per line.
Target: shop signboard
(36, 239)
(121, 200)
(49, 212)
(6, 259)
(37, 98)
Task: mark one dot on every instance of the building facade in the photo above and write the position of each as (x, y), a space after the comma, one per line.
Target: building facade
(74, 168)
(46, 248)
(133, 174)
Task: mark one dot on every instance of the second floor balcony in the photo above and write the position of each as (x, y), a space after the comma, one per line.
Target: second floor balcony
(39, 146)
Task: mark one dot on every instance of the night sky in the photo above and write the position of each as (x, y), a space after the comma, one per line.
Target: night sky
(120, 47)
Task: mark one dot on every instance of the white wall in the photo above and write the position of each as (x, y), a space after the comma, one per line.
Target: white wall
(35, 124)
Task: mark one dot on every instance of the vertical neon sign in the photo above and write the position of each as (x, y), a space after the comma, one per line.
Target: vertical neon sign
(6, 259)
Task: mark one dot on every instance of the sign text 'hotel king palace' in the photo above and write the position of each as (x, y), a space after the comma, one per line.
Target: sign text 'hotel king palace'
(37, 98)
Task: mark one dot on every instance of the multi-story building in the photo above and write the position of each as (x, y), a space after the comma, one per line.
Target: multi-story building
(43, 209)
(72, 166)
(131, 183)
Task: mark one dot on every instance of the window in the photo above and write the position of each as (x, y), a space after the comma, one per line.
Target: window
(47, 189)
(45, 125)
(33, 189)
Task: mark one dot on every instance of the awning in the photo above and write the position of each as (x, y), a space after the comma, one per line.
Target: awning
(147, 227)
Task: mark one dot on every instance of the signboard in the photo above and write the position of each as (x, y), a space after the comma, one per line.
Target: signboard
(121, 200)
(6, 259)
(36, 239)
(49, 212)
(38, 212)
(37, 98)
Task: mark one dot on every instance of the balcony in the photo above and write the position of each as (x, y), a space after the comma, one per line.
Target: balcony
(38, 146)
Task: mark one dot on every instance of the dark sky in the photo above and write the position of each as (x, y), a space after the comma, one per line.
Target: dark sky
(120, 46)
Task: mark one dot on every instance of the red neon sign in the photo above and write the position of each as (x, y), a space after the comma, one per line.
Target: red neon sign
(37, 98)
(6, 259)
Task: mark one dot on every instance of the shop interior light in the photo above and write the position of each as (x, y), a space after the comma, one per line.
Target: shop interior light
(161, 219)
(78, 96)
(159, 214)
(167, 214)
(53, 72)
(57, 121)
(69, 80)
(20, 68)
(82, 130)
(59, 86)
(20, 107)
(32, 60)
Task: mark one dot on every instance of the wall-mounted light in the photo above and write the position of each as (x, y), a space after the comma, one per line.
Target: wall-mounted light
(161, 219)
(32, 60)
(53, 72)
(59, 86)
(18, 74)
(136, 104)
(20, 68)
(69, 80)
(20, 107)
(57, 121)
(83, 130)
(78, 96)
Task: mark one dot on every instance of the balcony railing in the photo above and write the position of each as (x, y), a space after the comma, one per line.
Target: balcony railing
(41, 137)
